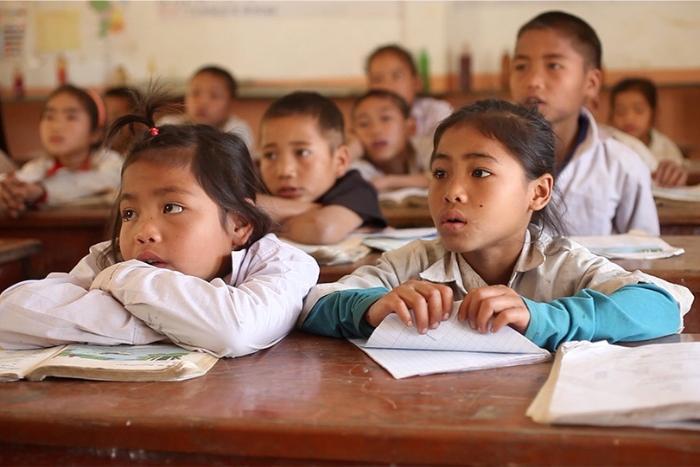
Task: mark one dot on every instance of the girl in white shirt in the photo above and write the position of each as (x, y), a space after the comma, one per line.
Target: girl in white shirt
(633, 111)
(191, 259)
(74, 167)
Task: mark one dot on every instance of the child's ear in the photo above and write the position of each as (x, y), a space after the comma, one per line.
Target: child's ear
(341, 160)
(239, 230)
(594, 80)
(411, 127)
(542, 189)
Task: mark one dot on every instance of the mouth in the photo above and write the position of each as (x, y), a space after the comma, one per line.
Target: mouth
(532, 101)
(452, 219)
(151, 260)
(56, 139)
(379, 144)
(289, 192)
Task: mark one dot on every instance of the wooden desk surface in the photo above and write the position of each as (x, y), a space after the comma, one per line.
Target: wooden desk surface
(15, 259)
(405, 217)
(314, 399)
(66, 235)
(678, 217)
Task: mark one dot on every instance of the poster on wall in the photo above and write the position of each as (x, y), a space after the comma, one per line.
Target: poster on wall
(57, 30)
(13, 24)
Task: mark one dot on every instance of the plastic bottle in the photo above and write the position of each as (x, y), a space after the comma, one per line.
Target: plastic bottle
(424, 69)
(465, 69)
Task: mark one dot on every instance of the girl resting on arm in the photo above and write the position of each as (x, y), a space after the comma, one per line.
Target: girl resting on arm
(490, 198)
(191, 259)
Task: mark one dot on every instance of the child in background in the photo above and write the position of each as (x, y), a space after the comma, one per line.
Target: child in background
(606, 185)
(119, 101)
(73, 168)
(633, 110)
(490, 196)
(209, 100)
(304, 166)
(190, 260)
(6, 164)
(383, 125)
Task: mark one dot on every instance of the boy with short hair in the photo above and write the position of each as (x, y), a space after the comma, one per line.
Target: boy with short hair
(304, 165)
(209, 100)
(606, 186)
(383, 125)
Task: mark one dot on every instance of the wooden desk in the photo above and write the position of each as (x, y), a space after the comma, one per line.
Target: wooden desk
(15, 255)
(683, 269)
(406, 217)
(678, 217)
(66, 235)
(315, 400)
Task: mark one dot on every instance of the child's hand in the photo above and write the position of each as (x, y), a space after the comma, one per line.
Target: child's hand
(499, 302)
(670, 174)
(431, 303)
(13, 195)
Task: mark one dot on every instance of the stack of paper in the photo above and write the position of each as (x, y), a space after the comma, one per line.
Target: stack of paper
(453, 346)
(603, 384)
(629, 246)
(681, 193)
(390, 240)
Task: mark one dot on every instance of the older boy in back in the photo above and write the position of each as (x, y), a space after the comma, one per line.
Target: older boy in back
(304, 166)
(605, 185)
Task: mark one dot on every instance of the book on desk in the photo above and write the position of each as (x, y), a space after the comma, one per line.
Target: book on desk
(154, 362)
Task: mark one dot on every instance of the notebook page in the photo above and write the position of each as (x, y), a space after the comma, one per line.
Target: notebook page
(450, 335)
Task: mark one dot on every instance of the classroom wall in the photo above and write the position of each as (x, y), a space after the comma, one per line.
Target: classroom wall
(296, 42)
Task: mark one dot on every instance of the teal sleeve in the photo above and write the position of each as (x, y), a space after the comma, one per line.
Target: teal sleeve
(632, 313)
(340, 314)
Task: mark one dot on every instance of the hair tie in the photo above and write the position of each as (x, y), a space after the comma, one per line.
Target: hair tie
(153, 131)
(99, 104)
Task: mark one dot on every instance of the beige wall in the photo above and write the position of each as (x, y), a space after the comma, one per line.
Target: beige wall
(310, 42)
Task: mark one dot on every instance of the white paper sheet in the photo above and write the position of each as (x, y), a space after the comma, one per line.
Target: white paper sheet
(628, 246)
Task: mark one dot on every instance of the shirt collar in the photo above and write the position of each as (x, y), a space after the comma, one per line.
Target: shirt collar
(452, 268)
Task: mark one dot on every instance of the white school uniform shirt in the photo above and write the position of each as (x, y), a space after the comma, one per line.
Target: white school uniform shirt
(251, 309)
(234, 124)
(606, 188)
(547, 269)
(664, 148)
(427, 112)
(103, 176)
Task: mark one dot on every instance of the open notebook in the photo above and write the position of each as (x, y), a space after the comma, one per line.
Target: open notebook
(629, 246)
(680, 193)
(453, 346)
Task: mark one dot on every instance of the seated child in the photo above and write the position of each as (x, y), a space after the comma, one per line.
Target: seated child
(490, 196)
(392, 68)
(605, 185)
(119, 101)
(191, 259)
(382, 122)
(304, 166)
(633, 111)
(74, 168)
(209, 100)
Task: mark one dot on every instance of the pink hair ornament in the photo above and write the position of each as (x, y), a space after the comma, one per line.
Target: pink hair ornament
(153, 131)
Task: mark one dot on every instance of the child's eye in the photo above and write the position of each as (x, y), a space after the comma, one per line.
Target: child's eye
(171, 208)
(128, 215)
(519, 67)
(303, 152)
(439, 174)
(555, 66)
(480, 173)
(270, 155)
(398, 75)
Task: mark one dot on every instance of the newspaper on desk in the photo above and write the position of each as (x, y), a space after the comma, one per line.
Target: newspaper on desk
(628, 246)
(602, 384)
(453, 346)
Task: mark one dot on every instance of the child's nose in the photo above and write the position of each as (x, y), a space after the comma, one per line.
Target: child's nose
(455, 191)
(286, 166)
(147, 231)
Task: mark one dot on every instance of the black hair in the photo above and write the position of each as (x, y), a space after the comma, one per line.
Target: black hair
(525, 134)
(89, 102)
(128, 93)
(311, 104)
(219, 72)
(584, 38)
(394, 98)
(219, 161)
(642, 85)
(403, 54)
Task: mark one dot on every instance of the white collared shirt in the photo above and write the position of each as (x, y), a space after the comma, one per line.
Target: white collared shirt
(249, 310)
